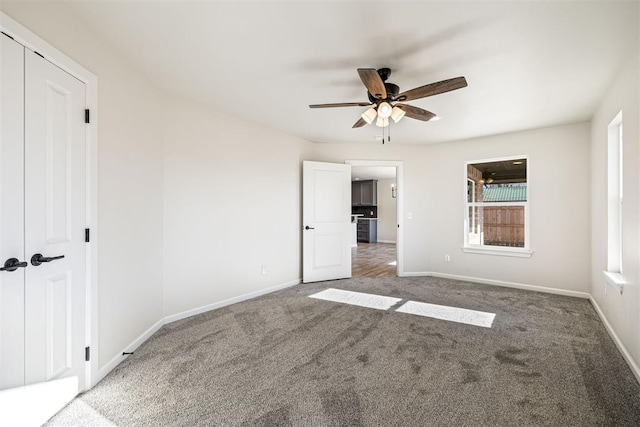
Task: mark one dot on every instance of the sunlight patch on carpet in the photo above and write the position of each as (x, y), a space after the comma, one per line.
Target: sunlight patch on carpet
(79, 413)
(357, 298)
(452, 314)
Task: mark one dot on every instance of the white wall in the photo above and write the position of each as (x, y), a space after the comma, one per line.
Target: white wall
(621, 310)
(387, 213)
(219, 194)
(434, 177)
(558, 158)
(232, 200)
(129, 175)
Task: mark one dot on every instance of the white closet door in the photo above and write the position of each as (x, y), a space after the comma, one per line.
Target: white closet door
(55, 216)
(11, 212)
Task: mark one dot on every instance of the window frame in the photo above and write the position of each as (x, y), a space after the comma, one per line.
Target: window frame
(615, 202)
(524, 252)
(472, 184)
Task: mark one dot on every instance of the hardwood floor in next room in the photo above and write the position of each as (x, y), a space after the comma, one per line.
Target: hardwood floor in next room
(373, 260)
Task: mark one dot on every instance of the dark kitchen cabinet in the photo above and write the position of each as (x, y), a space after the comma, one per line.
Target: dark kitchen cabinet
(367, 230)
(364, 193)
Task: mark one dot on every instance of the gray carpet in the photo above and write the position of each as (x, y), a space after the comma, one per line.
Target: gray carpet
(286, 359)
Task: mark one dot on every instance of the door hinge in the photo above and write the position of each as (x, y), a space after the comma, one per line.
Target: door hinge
(86, 235)
(86, 116)
(87, 354)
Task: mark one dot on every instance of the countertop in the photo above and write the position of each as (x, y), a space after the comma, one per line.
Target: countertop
(360, 217)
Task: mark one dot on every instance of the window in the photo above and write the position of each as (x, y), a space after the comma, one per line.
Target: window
(615, 199)
(471, 198)
(497, 207)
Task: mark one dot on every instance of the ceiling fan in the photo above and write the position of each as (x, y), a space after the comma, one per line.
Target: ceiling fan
(385, 101)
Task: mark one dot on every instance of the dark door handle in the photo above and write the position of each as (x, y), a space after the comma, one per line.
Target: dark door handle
(309, 228)
(38, 259)
(12, 264)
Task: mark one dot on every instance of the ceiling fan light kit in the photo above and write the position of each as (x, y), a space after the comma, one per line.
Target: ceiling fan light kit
(369, 115)
(385, 98)
(397, 114)
(384, 110)
(382, 122)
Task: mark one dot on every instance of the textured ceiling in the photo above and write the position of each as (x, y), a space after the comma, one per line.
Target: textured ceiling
(528, 64)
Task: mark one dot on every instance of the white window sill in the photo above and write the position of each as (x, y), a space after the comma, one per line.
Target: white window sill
(615, 279)
(498, 250)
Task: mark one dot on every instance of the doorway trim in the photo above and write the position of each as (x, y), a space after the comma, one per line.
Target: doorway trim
(399, 165)
(32, 42)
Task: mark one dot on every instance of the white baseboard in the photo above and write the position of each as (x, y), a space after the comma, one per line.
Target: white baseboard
(102, 372)
(625, 353)
(500, 283)
(414, 274)
(387, 241)
(224, 303)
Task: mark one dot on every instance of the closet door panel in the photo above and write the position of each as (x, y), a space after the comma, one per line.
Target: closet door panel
(11, 212)
(55, 195)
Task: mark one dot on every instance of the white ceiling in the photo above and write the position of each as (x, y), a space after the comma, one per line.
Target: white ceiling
(528, 64)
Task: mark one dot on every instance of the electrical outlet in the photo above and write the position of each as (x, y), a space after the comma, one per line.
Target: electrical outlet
(447, 258)
(263, 268)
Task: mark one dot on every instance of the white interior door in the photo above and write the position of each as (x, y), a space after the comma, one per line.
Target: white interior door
(55, 218)
(326, 221)
(11, 212)
(43, 161)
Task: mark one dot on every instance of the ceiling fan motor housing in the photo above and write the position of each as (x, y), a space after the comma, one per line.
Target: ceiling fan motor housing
(392, 91)
(384, 73)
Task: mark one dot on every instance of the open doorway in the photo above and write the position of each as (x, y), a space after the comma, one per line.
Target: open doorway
(376, 217)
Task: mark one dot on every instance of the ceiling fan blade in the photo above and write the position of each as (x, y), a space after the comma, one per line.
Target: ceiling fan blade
(416, 113)
(342, 104)
(432, 89)
(359, 123)
(373, 82)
